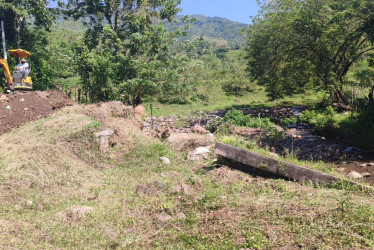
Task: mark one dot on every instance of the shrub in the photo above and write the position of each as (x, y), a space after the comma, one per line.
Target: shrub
(237, 118)
(289, 121)
(359, 129)
(237, 88)
(322, 122)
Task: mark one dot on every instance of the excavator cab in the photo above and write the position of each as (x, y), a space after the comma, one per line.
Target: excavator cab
(20, 78)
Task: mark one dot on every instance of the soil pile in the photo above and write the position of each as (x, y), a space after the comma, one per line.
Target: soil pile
(22, 107)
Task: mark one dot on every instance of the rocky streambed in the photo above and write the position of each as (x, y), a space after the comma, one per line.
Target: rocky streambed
(297, 139)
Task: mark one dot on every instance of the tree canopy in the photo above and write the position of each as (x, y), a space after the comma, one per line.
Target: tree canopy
(126, 51)
(294, 45)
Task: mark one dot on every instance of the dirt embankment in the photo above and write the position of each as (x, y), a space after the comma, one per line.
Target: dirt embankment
(22, 107)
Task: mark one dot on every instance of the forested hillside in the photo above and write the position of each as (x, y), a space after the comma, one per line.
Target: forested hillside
(217, 30)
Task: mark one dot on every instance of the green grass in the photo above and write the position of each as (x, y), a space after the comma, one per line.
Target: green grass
(251, 145)
(218, 100)
(42, 182)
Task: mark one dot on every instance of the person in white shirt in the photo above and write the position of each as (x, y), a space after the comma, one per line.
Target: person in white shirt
(23, 67)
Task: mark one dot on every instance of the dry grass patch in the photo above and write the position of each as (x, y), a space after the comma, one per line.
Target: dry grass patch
(183, 142)
(58, 191)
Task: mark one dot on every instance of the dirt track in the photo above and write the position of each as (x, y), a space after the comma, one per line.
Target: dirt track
(23, 107)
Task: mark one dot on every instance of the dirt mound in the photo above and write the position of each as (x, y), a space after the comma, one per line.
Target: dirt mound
(23, 107)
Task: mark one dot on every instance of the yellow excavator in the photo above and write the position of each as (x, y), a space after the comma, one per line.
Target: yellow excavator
(20, 79)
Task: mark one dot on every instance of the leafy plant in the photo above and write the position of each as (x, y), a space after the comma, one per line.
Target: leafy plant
(237, 118)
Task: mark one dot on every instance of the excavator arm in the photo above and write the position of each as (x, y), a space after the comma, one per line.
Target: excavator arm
(8, 75)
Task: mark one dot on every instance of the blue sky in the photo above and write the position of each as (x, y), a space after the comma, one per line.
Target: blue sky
(235, 10)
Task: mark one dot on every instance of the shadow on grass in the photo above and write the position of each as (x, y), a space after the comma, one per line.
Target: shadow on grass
(241, 167)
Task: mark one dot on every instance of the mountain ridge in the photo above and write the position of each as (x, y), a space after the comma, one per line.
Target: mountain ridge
(212, 28)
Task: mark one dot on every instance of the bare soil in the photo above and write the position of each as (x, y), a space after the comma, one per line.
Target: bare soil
(23, 107)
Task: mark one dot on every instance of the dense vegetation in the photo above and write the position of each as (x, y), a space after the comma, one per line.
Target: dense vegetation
(294, 45)
(60, 191)
(217, 30)
(145, 52)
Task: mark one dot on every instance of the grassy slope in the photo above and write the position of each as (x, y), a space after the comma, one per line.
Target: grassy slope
(55, 164)
(218, 100)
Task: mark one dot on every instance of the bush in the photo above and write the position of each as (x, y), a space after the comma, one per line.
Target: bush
(359, 129)
(322, 122)
(289, 121)
(237, 88)
(237, 118)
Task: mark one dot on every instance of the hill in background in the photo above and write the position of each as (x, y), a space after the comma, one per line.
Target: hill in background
(217, 30)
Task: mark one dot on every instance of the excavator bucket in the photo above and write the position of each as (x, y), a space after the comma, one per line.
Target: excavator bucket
(20, 53)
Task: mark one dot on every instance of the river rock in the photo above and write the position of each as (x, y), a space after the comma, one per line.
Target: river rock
(165, 160)
(354, 175)
(199, 153)
(366, 174)
(199, 129)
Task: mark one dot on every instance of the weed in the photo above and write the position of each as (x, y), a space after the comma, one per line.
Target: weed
(255, 239)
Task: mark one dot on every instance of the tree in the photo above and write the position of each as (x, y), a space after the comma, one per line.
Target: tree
(365, 78)
(136, 44)
(294, 45)
(15, 12)
(27, 23)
